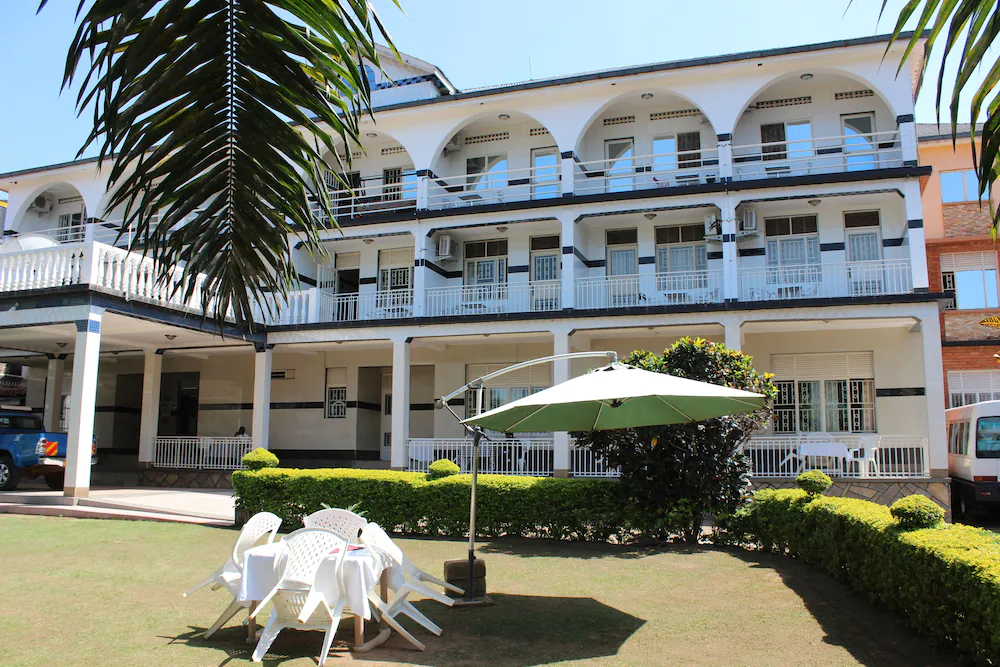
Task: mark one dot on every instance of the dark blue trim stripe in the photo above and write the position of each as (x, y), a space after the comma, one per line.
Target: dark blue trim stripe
(88, 326)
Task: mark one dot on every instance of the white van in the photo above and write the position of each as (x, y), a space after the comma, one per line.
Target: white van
(974, 455)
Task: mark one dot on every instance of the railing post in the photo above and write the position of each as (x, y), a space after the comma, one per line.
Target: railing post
(568, 173)
(422, 186)
(314, 298)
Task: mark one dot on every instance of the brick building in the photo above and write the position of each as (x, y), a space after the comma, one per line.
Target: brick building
(961, 256)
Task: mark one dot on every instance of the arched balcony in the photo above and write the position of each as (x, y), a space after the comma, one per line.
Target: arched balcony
(378, 179)
(495, 158)
(56, 210)
(648, 140)
(815, 122)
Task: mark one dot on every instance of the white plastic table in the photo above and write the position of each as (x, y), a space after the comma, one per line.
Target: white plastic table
(363, 569)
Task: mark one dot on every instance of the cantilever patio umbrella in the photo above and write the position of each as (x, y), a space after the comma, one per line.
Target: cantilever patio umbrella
(610, 397)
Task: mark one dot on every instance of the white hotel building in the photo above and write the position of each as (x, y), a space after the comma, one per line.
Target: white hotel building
(770, 200)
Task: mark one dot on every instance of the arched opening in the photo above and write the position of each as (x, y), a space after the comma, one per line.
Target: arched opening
(56, 210)
(378, 178)
(815, 122)
(653, 139)
(495, 157)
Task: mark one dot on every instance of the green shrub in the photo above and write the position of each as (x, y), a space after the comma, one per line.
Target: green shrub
(914, 512)
(814, 482)
(944, 581)
(442, 468)
(259, 459)
(574, 509)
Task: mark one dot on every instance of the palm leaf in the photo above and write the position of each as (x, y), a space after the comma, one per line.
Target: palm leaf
(970, 28)
(992, 322)
(214, 116)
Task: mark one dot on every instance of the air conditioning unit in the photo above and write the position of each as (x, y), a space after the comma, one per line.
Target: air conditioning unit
(41, 204)
(444, 249)
(749, 221)
(453, 146)
(711, 225)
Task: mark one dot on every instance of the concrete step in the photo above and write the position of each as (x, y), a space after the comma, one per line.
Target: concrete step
(81, 512)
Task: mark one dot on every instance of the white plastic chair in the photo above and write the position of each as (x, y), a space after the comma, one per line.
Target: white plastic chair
(342, 522)
(405, 578)
(231, 573)
(295, 601)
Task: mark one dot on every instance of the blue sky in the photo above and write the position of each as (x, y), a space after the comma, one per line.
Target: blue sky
(474, 42)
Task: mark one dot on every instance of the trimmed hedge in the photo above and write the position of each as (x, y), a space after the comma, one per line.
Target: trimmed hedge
(259, 459)
(944, 581)
(410, 502)
(814, 482)
(442, 468)
(913, 512)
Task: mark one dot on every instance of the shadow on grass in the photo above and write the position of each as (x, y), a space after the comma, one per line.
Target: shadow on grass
(872, 635)
(531, 548)
(517, 631)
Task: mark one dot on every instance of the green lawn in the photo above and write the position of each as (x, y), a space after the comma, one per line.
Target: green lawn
(88, 592)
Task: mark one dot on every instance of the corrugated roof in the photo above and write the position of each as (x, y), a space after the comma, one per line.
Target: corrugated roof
(933, 131)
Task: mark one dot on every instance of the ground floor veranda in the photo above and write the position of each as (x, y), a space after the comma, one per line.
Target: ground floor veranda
(860, 389)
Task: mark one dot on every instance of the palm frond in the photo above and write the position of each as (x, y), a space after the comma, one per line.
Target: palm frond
(970, 27)
(214, 116)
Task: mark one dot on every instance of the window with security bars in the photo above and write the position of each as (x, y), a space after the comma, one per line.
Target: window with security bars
(392, 184)
(831, 406)
(793, 250)
(967, 387)
(486, 269)
(336, 402)
(681, 258)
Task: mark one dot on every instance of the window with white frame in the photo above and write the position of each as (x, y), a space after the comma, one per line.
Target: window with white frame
(960, 186)
(671, 151)
(833, 393)
(505, 388)
(792, 250)
(545, 258)
(336, 393)
(486, 267)
(488, 172)
(395, 269)
(967, 387)
(973, 278)
(545, 172)
(789, 140)
(399, 183)
(681, 257)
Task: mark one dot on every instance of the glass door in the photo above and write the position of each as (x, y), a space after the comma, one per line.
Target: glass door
(70, 228)
(618, 155)
(545, 176)
(859, 145)
(865, 270)
(623, 281)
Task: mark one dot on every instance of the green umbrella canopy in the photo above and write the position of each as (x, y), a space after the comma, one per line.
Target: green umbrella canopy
(618, 396)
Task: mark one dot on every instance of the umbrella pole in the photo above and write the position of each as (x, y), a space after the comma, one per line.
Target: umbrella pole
(470, 584)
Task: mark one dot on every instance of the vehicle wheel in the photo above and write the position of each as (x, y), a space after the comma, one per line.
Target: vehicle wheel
(55, 480)
(9, 474)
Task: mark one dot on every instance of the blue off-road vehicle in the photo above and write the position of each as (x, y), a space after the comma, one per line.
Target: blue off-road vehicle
(27, 449)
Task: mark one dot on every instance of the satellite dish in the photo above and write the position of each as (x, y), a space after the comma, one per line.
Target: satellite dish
(27, 242)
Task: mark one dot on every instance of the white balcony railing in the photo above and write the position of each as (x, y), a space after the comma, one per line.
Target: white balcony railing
(826, 280)
(534, 296)
(644, 172)
(372, 195)
(649, 289)
(518, 456)
(380, 305)
(494, 187)
(839, 455)
(857, 152)
(200, 452)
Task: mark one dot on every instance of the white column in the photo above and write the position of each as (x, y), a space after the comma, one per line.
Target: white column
(730, 258)
(423, 252)
(568, 173)
(560, 373)
(734, 334)
(915, 234)
(150, 417)
(83, 397)
(422, 186)
(908, 139)
(261, 427)
(400, 402)
(725, 156)
(930, 331)
(53, 392)
(567, 239)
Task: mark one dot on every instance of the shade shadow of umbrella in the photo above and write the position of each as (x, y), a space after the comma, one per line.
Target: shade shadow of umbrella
(517, 631)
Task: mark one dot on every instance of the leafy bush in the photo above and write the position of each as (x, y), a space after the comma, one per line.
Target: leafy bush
(442, 468)
(944, 581)
(914, 512)
(259, 459)
(814, 482)
(574, 509)
(674, 475)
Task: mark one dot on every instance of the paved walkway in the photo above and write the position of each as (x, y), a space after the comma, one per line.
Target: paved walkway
(214, 507)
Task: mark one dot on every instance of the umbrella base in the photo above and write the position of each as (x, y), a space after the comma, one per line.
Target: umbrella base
(484, 601)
